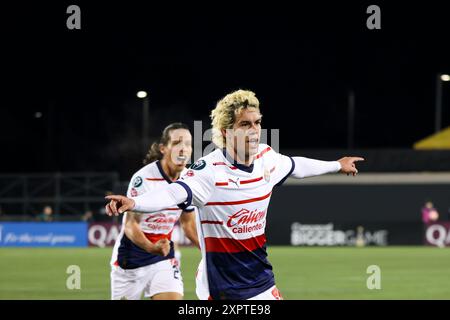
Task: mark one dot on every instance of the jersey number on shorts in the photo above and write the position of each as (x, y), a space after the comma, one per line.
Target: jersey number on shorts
(176, 272)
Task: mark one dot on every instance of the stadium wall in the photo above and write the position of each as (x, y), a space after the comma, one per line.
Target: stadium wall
(385, 160)
(331, 210)
(370, 209)
(68, 234)
(43, 234)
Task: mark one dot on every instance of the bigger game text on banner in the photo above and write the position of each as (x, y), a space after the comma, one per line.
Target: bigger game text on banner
(43, 234)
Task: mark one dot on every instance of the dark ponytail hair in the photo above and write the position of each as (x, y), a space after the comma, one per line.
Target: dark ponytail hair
(154, 153)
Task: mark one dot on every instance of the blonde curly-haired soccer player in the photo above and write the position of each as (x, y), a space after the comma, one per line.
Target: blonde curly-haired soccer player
(232, 187)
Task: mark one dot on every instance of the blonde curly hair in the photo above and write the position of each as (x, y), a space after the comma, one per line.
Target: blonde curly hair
(224, 114)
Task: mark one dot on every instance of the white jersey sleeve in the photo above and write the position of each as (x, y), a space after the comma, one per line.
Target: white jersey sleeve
(188, 209)
(305, 167)
(136, 187)
(199, 182)
(279, 166)
(172, 195)
(191, 207)
(297, 167)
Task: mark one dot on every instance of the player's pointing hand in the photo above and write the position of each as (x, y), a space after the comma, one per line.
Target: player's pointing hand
(118, 205)
(348, 165)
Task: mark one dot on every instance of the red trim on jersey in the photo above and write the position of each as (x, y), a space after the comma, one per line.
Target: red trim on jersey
(234, 245)
(155, 179)
(155, 237)
(251, 180)
(259, 155)
(210, 222)
(116, 263)
(224, 164)
(230, 203)
(221, 184)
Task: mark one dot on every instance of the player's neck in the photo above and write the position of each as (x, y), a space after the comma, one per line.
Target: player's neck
(247, 161)
(171, 174)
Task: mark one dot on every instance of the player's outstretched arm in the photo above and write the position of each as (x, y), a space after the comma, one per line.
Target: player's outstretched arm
(305, 167)
(173, 195)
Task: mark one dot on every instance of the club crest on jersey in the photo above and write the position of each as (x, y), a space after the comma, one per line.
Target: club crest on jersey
(190, 173)
(198, 165)
(134, 192)
(137, 182)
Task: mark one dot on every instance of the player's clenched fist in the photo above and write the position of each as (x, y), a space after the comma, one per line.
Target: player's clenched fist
(162, 247)
(118, 204)
(348, 165)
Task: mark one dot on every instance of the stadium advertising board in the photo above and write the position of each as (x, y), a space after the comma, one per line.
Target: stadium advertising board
(377, 215)
(328, 235)
(102, 234)
(438, 234)
(43, 234)
(354, 234)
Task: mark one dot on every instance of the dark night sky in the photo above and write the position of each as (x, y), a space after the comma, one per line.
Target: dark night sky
(300, 60)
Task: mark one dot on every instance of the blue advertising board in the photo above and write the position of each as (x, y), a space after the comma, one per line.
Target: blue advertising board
(43, 234)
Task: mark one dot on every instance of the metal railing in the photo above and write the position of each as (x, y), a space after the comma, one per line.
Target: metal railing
(66, 193)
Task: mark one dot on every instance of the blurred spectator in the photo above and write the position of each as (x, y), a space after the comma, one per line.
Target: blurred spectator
(360, 240)
(88, 216)
(46, 215)
(429, 213)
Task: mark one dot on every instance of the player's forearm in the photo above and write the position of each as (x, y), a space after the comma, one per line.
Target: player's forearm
(134, 233)
(187, 221)
(159, 200)
(191, 233)
(305, 167)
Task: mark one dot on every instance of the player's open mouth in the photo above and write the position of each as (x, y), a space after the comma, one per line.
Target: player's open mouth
(181, 158)
(253, 142)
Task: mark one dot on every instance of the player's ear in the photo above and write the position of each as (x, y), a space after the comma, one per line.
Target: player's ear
(162, 148)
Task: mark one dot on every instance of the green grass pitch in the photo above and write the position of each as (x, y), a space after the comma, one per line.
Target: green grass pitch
(300, 273)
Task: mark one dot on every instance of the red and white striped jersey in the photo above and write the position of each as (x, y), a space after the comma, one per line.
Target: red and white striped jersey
(155, 225)
(233, 200)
